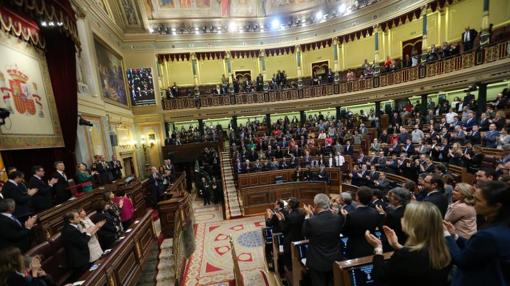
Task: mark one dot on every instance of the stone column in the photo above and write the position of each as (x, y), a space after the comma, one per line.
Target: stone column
(302, 116)
(424, 28)
(376, 43)
(194, 68)
(482, 98)
(484, 33)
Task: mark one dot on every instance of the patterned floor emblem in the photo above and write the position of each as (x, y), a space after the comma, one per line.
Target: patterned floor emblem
(250, 239)
(211, 263)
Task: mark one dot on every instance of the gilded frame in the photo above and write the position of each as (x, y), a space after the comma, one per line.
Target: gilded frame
(16, 141)
(107, 48)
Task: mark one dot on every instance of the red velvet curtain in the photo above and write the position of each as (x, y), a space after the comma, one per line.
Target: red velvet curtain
(60, 57)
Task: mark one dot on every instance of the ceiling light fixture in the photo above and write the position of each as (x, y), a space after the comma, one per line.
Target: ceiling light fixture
(232, 27)
(319, 15)
(342, 8)
(275, 24)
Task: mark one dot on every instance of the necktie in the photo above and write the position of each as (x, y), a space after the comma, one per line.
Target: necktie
(16, 220)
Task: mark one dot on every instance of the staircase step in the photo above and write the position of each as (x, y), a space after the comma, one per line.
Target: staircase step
(165, 255)
(165, 275)
(167, 243)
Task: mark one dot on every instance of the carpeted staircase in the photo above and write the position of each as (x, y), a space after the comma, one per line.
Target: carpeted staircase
(149, 270)
(166, 270)
(233, 207)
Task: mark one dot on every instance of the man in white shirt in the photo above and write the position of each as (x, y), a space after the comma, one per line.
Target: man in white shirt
(417, 135)
(450, 116)
(339, 159)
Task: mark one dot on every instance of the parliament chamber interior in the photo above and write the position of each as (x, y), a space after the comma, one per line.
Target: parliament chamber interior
(255, 142)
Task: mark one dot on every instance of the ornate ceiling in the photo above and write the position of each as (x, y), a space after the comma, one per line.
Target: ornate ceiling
(205, 24)
(223, 16)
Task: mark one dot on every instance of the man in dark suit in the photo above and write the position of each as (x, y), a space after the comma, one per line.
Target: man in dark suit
(357, 222)
(434, 186)
(409, 148)
(348, 149)
(76, 243)
(60, 190)
(156, 186)
(13, 232)
(323, 229)
(43, 199)
(474, 136)
(102, 167)
(468, 38)
(398, 199)
(115, 167)
(14, 189)
(291, 222)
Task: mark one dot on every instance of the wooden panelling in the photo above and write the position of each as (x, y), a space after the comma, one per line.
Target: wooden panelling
(269, 177)
(258, 198)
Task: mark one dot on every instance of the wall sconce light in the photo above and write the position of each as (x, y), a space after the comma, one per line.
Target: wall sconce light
(152, 139)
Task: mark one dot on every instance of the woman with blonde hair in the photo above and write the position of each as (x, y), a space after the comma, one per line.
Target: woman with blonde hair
(424, 259)
(461, 213)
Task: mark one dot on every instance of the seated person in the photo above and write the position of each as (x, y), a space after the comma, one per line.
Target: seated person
(382, 183)
(15, 272)
(298, 176)
(323, 175)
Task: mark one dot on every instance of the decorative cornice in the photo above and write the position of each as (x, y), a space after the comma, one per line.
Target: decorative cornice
(364, 18)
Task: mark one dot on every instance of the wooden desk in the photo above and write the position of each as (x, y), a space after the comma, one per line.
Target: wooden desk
(257, 199)
(268, 178)
(189, 152)
(123, 266)
(341, 268)
(181, 199)
(298, 269)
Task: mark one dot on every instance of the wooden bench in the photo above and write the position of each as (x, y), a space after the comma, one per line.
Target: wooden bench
(461, 174)
(277, 253)
(342, 270)
(50, 222)
(269, 177)
(239, 276)
(257, 199)
(396, 178)
(122, 266)
(298, 252)
(180, 199)
(349, 188)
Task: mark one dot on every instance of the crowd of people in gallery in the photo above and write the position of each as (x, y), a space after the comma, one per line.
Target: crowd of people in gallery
(279, 80)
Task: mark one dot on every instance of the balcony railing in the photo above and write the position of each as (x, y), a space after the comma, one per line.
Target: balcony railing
(444, 66)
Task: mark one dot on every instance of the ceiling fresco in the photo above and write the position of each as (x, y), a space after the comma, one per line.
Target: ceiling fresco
(173, 9)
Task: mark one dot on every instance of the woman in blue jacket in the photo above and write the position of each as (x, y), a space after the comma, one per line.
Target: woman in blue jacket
(484, 259)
